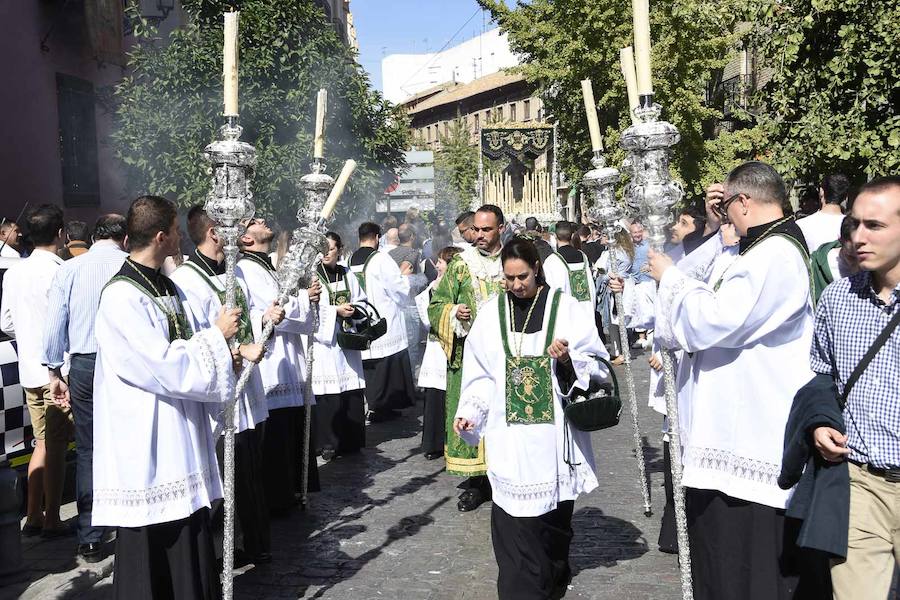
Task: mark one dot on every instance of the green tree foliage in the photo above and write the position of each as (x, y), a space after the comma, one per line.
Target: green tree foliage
(170, 105)
(456, 169)
(833, 102)
(565, 41)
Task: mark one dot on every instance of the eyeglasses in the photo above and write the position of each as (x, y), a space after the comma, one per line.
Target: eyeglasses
(721, 208)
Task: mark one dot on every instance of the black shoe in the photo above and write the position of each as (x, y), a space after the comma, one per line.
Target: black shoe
(433, 455)
(91, 553)
(471, 499)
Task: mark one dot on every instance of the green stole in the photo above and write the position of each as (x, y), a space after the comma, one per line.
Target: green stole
(578, 279)
(179, 328)
(529, 383)
(336, 298)
(361, 275)
(245, 329)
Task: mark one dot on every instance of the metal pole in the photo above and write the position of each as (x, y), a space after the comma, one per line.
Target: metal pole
(230, 202)
(653, 192)
(601, 182)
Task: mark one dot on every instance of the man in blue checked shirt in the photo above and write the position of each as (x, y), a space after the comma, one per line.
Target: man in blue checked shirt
(850, 315)
(73, 302)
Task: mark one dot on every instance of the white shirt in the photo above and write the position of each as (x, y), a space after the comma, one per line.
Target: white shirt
(154, 449)
(820, 228)
(746, 355)
(8, 251)
(23, 314)
(388, 290)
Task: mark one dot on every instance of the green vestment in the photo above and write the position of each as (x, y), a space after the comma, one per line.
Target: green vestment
(458, 286)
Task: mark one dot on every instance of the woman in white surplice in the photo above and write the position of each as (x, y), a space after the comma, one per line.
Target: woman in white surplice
(528, 349)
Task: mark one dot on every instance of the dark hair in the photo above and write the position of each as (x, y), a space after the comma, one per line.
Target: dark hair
(335, 238)
(531, 224)
(880, 184)
(78, 230)
(523, 248)
(759, 181)
(835, 187)
(493, 208)
(147, 216)
(692, 211)
(564, 231)
(198, 223)
(846, 229)
(448, 252)
(464, 216)
(110, 227)
(368, 230)
(42, 224)
(584, 232)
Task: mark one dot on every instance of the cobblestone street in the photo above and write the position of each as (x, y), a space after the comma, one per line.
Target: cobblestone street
(386, 526)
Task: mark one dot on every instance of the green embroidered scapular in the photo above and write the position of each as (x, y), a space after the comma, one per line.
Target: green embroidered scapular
(179, 328)
(529, 384)
(361, 275)
(245, 329)
(336, 298)
(578, 279)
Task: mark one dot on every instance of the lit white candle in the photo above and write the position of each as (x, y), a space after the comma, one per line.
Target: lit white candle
(338, 188)
(319, 143)
(626, 58)
(590, 107)
(641, 14)
(230, 64)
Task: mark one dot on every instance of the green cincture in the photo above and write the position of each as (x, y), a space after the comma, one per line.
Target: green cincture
(578, 279)
(529, 384)
(179, 328)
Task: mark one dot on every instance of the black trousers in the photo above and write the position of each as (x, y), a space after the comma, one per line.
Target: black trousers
(747, 551)
(282, 456)
(251, 512)
(532, 553)
(668, 534)
(168, 561)
(434, 426)
(389, 383)
(340, 422)
(81, 393)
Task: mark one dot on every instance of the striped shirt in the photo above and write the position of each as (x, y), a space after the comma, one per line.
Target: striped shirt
(849, 317)
(74, 300)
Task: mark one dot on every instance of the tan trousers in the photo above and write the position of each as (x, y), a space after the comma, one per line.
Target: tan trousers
(874, 541)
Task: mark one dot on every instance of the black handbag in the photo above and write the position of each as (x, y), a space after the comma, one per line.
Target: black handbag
(358, 333)
(599, 408)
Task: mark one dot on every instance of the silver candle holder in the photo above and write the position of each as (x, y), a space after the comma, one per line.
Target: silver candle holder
(654, 193)
(605, 211)
(230, 202)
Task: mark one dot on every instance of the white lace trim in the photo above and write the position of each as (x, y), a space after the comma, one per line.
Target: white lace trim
(216, 362)
(734, 465)
(476, 404)
(170, 491)
(286, 389)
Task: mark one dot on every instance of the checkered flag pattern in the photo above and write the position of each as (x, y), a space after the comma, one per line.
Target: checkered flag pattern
(15, 424)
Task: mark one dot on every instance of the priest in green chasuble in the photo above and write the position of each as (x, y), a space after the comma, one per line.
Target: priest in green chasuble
(473, 277)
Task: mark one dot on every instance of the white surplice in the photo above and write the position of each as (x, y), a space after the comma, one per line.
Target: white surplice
(433, 371)
(746, 336)
(527, 463)
(336, 370)
(556, 271)
(250, 409)
(154, 448)
(283, 368)
(388, 290)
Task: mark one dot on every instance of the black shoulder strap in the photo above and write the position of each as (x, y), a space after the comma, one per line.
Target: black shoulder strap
(877, 345)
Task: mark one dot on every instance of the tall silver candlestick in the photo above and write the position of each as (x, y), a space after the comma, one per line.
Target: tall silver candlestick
(653, 192)
(605, 211)
(312, 246)
(229, 202)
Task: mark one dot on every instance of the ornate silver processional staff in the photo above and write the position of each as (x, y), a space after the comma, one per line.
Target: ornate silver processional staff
(228, 204)
(653, 192)
(604, 210)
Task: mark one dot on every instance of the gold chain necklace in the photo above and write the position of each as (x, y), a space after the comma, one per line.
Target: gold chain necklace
(512, 318)
(170, 314)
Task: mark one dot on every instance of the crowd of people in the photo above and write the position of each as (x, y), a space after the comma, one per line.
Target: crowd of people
(780, 327)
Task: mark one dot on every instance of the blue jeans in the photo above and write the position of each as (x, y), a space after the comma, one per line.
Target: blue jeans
(81, 394)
